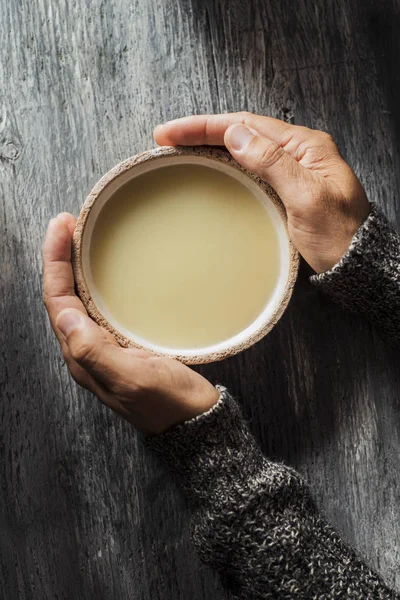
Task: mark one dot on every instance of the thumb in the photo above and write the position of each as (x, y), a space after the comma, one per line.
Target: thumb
(93, 348)
(264, 157)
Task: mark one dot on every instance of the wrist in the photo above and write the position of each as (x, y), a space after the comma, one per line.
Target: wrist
(200, 399)
(201, 449)
(351, 226)
(176, 399)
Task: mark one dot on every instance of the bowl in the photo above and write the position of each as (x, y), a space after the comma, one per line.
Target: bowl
(152, 160)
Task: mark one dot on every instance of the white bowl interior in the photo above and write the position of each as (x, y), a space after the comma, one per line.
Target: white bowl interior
(230, 170)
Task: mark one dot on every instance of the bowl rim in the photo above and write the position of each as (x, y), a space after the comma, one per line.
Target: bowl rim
(214, 154)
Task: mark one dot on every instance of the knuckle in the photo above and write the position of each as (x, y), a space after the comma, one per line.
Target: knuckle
(319, 155)
(245, 115)
(327, 138)
(304, 132)
(270, 155)
(84, 353)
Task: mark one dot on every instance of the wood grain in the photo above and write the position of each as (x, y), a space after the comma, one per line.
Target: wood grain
(85, 511)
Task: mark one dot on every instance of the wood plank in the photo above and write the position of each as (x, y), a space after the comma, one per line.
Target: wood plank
(85, 511)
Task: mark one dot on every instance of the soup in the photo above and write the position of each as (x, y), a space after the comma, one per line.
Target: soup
(184, 257)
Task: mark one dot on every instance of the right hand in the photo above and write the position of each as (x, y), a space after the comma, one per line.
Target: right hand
(324, 201)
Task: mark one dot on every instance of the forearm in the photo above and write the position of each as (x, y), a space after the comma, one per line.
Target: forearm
(254, 520)
(367, 279)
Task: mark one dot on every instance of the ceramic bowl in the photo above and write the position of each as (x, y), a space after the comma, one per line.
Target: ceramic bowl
(215, 158)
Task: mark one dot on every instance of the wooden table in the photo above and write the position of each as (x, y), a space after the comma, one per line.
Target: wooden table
(86, 513)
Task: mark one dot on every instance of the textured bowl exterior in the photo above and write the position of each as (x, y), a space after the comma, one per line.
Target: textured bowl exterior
(215, 154)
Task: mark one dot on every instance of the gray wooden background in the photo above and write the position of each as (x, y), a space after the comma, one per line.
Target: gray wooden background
(85, 512)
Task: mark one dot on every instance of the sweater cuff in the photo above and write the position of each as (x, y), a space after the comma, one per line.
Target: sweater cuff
(367, 269)
(213, 449)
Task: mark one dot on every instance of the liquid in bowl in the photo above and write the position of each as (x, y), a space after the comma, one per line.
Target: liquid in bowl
(184, 256)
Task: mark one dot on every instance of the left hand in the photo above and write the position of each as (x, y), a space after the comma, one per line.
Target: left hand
(151, 392)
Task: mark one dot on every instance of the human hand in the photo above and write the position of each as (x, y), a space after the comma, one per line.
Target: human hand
(324, 201)
(153, 393)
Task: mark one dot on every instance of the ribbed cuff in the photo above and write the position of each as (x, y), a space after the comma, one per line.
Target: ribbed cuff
(215, 446)
(367, 279)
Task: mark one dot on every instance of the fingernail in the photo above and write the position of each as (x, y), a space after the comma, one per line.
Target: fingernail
(239, 137)
(68, 320)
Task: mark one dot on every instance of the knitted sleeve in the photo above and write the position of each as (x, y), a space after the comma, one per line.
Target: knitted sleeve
(367, 279)
(254, 520)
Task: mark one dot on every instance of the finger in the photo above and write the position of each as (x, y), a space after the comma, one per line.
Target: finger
(210, 130)
(69, 220)
(53, 248)
(57, 254)
(87, 381)
(267, 159)
(95, 350)
(82, 377)
(58, 278)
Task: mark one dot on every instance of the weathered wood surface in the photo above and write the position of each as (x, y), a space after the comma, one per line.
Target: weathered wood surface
(85, 512)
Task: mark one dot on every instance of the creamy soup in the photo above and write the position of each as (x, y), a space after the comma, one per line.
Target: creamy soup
(184, 257)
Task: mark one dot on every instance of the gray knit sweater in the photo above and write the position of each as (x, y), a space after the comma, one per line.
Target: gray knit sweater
(254, 520)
